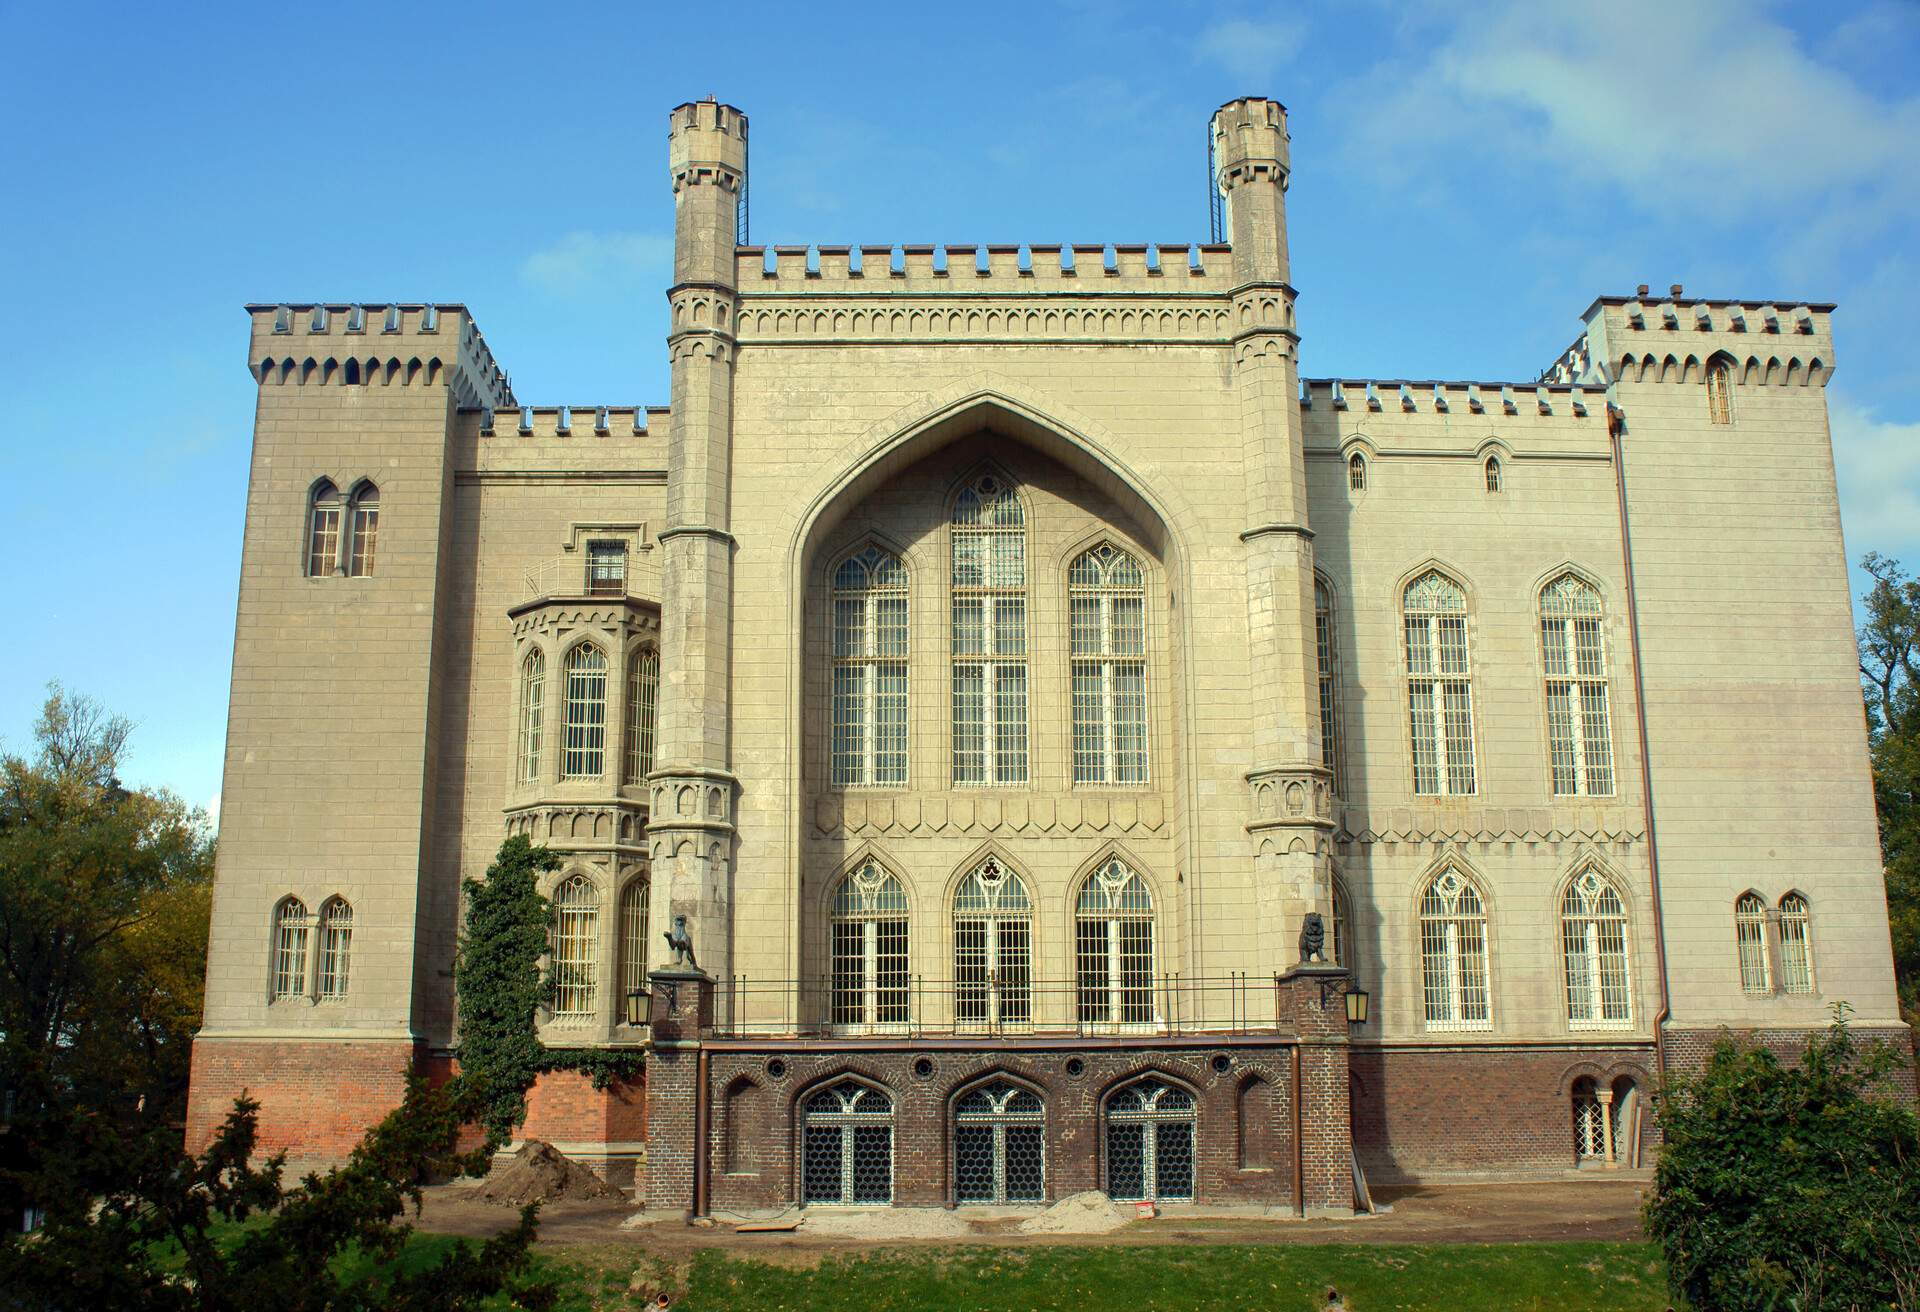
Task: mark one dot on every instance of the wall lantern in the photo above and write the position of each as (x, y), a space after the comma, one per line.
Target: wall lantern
(637, 1007)
(1357, 1001)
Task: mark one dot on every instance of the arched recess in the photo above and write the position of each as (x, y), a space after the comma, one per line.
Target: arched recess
(743, 1126)
(1257, 1108)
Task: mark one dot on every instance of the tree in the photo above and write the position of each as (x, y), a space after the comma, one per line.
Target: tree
(1790, 1187)
(1890, 678)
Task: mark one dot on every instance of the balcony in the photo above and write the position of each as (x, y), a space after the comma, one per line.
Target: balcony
(576, 575)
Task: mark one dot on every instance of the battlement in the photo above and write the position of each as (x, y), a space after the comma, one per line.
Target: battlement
(1149, 268)
(553, 421)
(1250, 141)
(349, 343)
(1401, 396)
(706, 116)
(1674, 338)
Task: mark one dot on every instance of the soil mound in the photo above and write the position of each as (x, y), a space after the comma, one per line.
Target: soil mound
(540, 1173)
(1088, 1213)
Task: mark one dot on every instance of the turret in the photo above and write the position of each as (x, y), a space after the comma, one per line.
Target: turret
(707, 156)
(1251, 166)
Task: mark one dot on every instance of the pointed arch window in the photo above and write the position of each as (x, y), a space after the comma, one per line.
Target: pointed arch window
(1113, 947)
(1493, 473)
(1453, 954)
(533, 712)
(1107, 601)
(1573, 651)
(993, 949)
(1750, 937)
(870, 671)
(366, 531)
(868, 928)
(1357, 472)
(989, 635)
(1796, 944)
(323, 530)
(1327, 653)
(846, 1145)
(1439, 685)
(336, 949)
(1341, 949)
(1593, 938)
(292, 926)
(643, 696)
(576, 949)
(583, 747)
(999, 1150)
(633, 936)
(1719, 392)
(1150, 1142)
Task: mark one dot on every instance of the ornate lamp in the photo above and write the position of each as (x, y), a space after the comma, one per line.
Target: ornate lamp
(1357, 1001)
(637, 1000)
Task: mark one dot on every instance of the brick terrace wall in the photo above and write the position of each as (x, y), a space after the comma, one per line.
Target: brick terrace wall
(1688, 1049)
(564, 1105)
(1425, 1112)
(316, 1099)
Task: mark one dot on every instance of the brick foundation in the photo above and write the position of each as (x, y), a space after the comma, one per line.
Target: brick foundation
(605, 1129)
(316, 1099)
(1688, 1049)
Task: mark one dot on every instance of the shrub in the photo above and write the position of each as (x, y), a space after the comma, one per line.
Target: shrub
(1790, 1187)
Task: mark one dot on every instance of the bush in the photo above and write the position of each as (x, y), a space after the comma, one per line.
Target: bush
(1790, 1187)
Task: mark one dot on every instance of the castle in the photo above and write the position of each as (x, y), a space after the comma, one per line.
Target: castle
(1083, 752)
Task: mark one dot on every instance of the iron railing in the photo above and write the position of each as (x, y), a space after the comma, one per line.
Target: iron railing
(575, 576)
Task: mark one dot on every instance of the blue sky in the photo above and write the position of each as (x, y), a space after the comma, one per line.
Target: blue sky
(1466, 180)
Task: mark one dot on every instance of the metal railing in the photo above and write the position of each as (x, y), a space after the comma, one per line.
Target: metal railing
(574, 576)
(993, 1006)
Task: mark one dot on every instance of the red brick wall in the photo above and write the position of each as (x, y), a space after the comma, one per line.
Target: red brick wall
(564, 1106)
(316, 1099)
(1688, 1049)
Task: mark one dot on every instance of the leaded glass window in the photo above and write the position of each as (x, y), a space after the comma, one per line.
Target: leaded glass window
(999, 1145)
(1150, 1142)
(1113, 948)
(366, 531)
(583, 749)
(1357, 472)
(292, 926)
(643, 695)
(1453, 954)
(1720, 392)
(1593, 937)
(633, 936)
(1326, 650)
(336, 949)
(576, 949)
(1796, 945)
(533, 712)
(870, 671)
(1750, 936)
(323, 530)
(846, 1145)
(868, 928)
(1107, 602)
(989, 635)
(1579, 725)
(993, 949)
(1439, 685)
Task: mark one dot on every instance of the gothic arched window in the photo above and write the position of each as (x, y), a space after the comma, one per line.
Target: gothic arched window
(846, 1145)
(291, 927)
(1493, 473)
(1574, 652)
(1357, 472)
(633, 936)
(1453, 954)
(1107, 602)
(870, 670)
(1439, 685)
(533, 712)
(999, 1153)
(366, 531)
(1113, 947)
(323, 530)
(992, 949)
(643, 695)
(989, 635)
(1327, 652)
(583, 747)
(1150, 1142)
(336, 949)
(576, 949)
(1593, 938)
(868, 928)
(1750, 936)
(1720, 392)
(1796, 944)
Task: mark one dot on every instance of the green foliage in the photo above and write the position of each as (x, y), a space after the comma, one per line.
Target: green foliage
(142, 1225)
(500, 989)
(1890, 678)
(1792, 1187)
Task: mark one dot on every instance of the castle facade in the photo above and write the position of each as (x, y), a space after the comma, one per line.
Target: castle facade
(1079, 751)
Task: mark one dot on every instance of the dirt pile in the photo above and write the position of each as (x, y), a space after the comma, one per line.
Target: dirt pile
(886, 1223)
(1088, 1213)
(541, 1173)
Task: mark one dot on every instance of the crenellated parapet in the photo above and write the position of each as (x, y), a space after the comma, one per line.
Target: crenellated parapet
(1402, 396)
(355, 344)
(1647, 339)
(707, 146)
(1149, 268)
(563, 421)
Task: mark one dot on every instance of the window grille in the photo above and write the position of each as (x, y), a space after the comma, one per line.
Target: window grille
(323, 531)
(583, 748)
(1593, 936)
(1113, 948)
(993, 949)
(533, 710)
(1796, 945)
(1150, 1133)
(291, 925)
(1453, 954)
(989, 635)
(846, 1145)
(633, 936)
(870, 671)
(366, 532)
(1107, 603)
(1493, 473)
(606, 569)
(868, 929)
(999, 1148)
(1357, 472)
(1590, 1117)
(576, 949)
(1329, 691)
(1579, 723)
(643, 695)
(1750, 935)
(1720, 392)
(336, 948)
(1439, 685)
(1341, 949)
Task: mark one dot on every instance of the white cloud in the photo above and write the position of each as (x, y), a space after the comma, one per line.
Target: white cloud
(1253, 52)
(583, 260)
(1878, 465)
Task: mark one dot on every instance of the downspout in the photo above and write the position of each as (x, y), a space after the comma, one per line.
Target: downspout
(1299, 1149)
(701, 1114)
(1616, 423)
